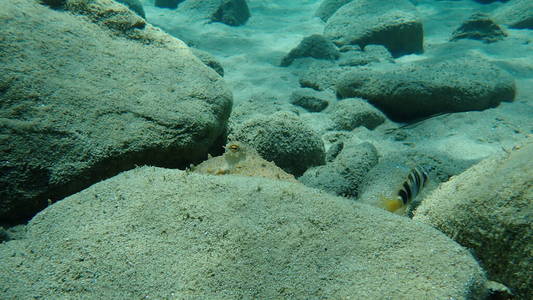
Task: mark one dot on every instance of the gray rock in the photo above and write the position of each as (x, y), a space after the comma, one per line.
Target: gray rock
(134, 5)
(284, 139)
(351, 113)
(393, 23)
(516, 14)
(328, 7)
(479, 26)
(171, 234)
(172, 4)
(309, 99)
(489, 209)
(430, 87)
(209, 60)
(359, 57)
(315, 46)
(321, 75)
(229, 12)
(83, 107)
(345, 173)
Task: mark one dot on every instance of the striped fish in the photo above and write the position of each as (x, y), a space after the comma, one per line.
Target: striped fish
(412, 186)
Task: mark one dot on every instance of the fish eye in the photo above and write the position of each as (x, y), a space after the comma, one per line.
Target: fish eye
(233, 147)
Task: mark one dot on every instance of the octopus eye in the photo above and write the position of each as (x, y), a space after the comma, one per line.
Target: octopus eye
(234, 147)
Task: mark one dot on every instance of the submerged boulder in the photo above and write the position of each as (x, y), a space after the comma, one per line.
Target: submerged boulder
(392, 23)
(169, 234)
(315, 46)
(489, 209)
(516, 14)
(479, 26)
(328, 7)
(424, 88)
(229, 12)
(81, 103)
(134, 5)
(284, 139)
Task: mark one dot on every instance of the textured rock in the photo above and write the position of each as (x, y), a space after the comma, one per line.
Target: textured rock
(209, 60)
(328, 7)
(284, 139)
(479, 26)
(516, 14)
(430, 87)
(345, 173)
(349, 114)
(169, 234)
(358, 57)
(309, 99)
(229, 12)
(80, 104)
(315, 46)
(393, 23)
(489, 209)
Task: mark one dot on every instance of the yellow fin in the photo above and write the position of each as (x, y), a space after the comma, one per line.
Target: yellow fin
(391, 204)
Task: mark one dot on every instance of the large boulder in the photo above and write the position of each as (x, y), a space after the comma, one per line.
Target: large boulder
(229, 12)
(81, 103)
(169, 234)
(516, 14)
(429, 87)
(392, 23)
(489, 209)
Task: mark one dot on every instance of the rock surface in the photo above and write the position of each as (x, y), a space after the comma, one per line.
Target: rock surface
(315, 46)
(328, 7)
(345, 173)
(489, 209)
(284, 139)
(81, 102)
(392, 23)
(229, 12)
(134, 5)
(415, 90)
(351, 113)
(160, 234)
(516, 14)
(309, 99)
(479, 26)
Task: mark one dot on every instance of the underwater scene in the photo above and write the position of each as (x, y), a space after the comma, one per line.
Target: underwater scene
(256, 149)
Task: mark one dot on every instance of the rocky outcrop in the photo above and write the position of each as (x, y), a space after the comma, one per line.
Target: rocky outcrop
(393, 23)
(180, 235)
(489, 210)
(415, 90)
(83, 101)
